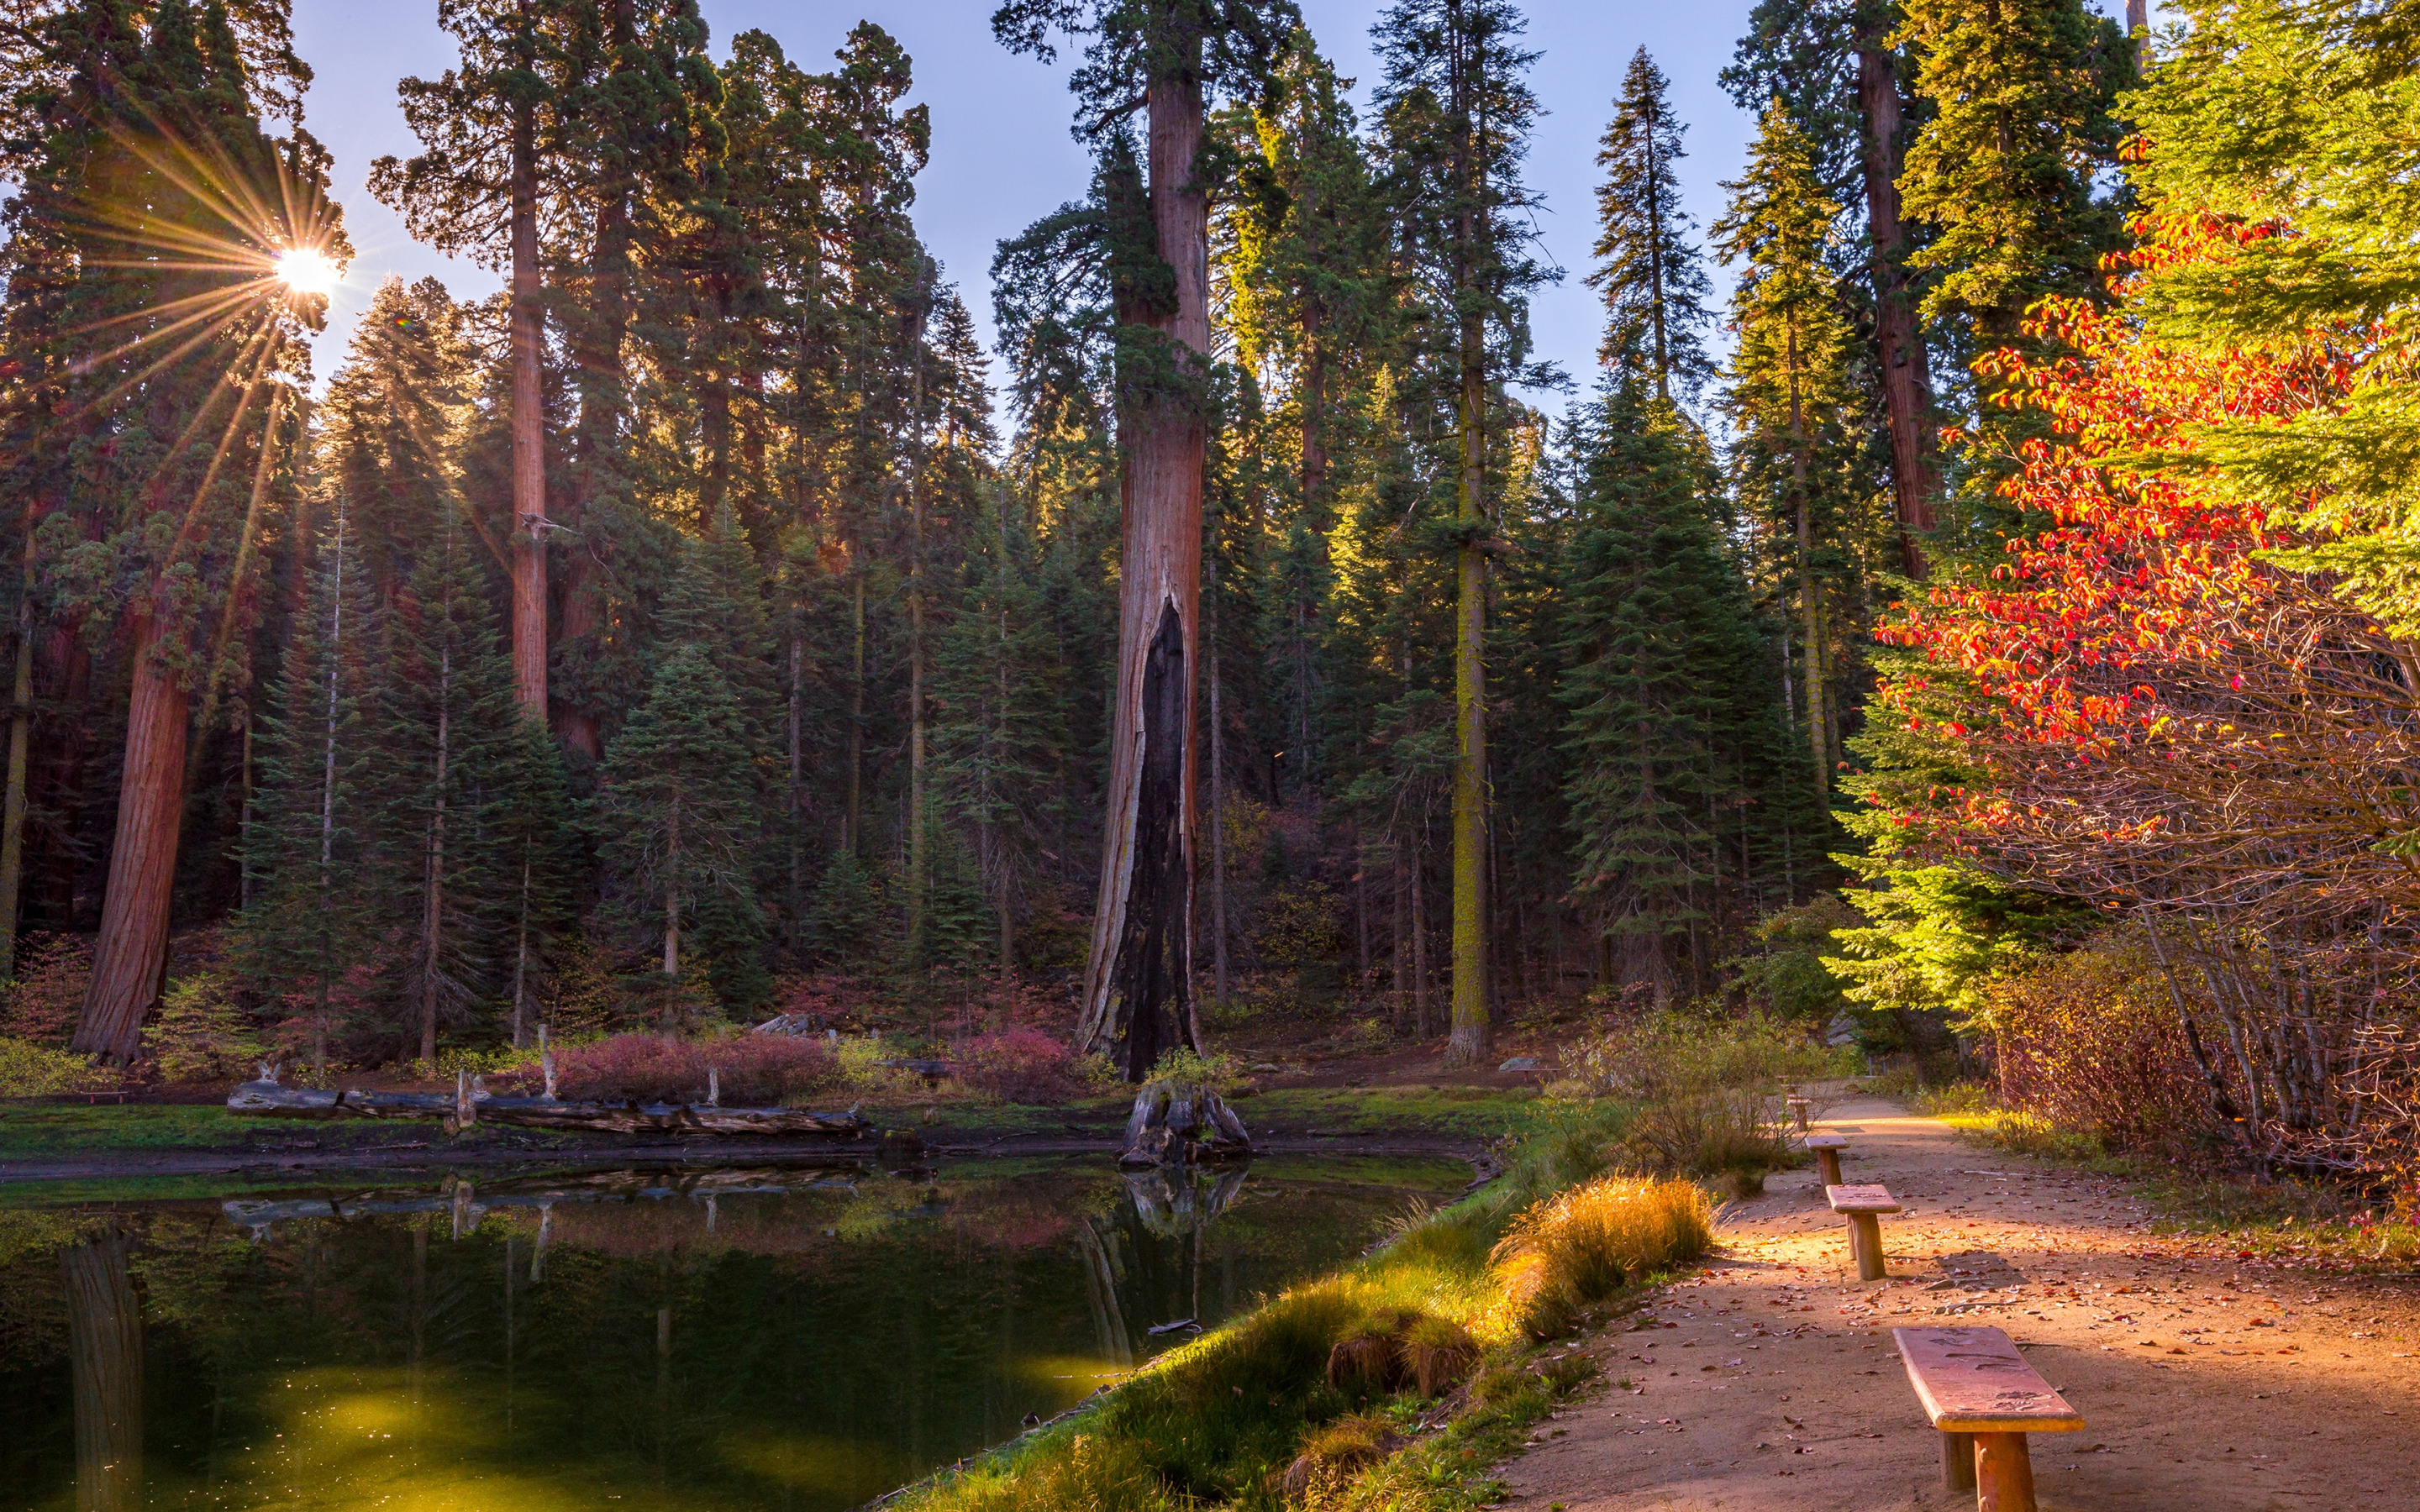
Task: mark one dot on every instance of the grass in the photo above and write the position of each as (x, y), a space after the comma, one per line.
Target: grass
(1461, 1112)
(1329, 1393)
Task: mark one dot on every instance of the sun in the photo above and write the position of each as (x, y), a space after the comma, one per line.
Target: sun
(306, 271)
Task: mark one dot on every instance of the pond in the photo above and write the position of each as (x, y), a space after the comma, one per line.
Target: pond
(781, 1338)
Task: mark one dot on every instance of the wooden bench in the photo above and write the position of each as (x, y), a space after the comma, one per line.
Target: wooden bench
(1827, 1149)
(1984, 1399)
(1798, 1106)
(1864, 1205)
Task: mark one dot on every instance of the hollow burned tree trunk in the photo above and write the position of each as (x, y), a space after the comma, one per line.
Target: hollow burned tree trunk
(1137, 1000)
(133, 943)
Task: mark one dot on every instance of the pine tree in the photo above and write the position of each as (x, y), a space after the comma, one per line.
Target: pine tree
(498, 147)
(155, 399)
(1653, 281)
(1673, 729)
(1844, 79)
(1163, 59)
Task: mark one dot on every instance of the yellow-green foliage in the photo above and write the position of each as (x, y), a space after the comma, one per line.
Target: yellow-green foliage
(1581, 1246)
(200, 1034)
(30, 1071)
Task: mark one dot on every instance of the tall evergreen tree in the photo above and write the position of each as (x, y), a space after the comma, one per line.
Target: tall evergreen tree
(316, 916)
(2010, 169)
(1458, 114)
(1653, 278)
(155, 405)
(676, 818)
(1789, 390)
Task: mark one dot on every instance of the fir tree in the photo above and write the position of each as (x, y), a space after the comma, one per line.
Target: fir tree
(1653, 281)
(316, 913)
(677, 819)
(1789, 390)
(2008, 170)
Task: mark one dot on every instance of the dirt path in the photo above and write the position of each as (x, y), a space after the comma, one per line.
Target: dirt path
(2210, 1381)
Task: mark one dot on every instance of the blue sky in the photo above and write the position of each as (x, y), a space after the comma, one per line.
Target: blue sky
(1002, 152)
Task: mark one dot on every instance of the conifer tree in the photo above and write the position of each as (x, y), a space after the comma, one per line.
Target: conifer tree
(155, 400)
(676, 813)
(1457, 112)
(316, 913)
(497, 152)
(1845, 78)
(2007, 171)
(1653, 281)
(1789, 382)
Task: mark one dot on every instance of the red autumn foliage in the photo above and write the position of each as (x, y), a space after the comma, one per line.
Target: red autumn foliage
(2168, 722)
(1020, 1066)
(754, 1069)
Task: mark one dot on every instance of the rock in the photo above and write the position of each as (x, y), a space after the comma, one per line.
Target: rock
(1520, 1063)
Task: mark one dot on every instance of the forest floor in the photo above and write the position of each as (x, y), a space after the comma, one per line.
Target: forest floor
(1398, 1101)
(2211, 1376)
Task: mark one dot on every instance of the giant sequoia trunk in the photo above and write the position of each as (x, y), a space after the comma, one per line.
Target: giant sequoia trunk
(133, 943)
(529, 433)
(1907, 385)
(1137, 995)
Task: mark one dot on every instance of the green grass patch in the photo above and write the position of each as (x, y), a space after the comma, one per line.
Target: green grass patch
(1456, 1112)
(1329, 1393)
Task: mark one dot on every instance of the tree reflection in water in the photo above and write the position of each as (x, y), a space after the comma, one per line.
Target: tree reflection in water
(105, 1354)
(721, 1340)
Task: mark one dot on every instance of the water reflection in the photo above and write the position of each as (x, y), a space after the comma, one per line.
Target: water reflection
(792, 1339)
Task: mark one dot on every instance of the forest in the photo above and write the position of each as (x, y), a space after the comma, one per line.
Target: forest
(1985, 631)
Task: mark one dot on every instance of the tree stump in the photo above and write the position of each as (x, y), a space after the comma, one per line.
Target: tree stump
(1182, 1124)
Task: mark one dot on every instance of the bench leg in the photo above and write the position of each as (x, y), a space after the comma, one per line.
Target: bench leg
(1828, 1162)
(1865, 1244)
(2004, 1474)
(1958, 1460)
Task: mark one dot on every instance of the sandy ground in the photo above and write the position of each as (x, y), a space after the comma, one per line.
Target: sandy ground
(2209, 1380)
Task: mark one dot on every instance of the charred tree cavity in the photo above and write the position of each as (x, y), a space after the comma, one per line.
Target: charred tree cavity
(1150, 1008)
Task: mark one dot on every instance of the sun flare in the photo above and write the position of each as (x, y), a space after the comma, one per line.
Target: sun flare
(306, 271)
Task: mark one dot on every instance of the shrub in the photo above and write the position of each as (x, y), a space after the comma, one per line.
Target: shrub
(1673, 1054)
(40, 1005)
(1021, 1066)
(1736, 1134)
(1580, 1247)
(764, 1069)
(2090, 1043)
(28, 1070)
(1339, 1450)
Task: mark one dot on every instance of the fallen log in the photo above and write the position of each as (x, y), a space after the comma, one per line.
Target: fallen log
(265, 1098)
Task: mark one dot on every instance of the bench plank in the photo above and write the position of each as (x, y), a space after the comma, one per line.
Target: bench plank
(1831, 1141)
(1861, 1199)
(1973, 1381)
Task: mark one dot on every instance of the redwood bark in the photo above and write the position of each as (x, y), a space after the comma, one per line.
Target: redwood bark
(529, 423)
(1137, 998)
(133, 943)
(1907, 383)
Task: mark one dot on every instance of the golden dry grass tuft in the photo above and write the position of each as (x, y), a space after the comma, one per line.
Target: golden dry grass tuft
(1580, 1247)
(1337, 1451)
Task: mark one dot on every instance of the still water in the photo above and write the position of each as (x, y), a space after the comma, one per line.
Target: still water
(795, 1339)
